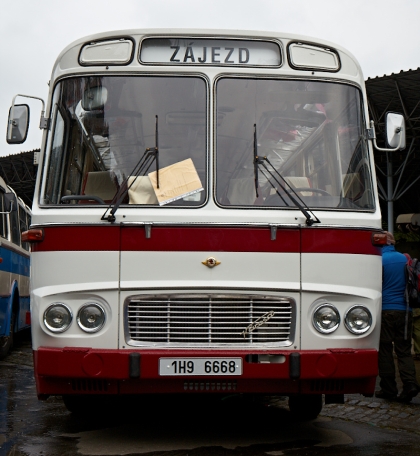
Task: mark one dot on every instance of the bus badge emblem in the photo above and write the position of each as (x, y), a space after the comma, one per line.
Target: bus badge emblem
(211, 262)
(258, 322)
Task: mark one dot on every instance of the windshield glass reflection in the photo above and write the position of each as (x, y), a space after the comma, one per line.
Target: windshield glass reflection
(311, 133)
(102, 126)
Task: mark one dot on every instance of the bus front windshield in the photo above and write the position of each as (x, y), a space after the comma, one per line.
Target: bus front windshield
(308, 135)
(309, 140)
(103, 129)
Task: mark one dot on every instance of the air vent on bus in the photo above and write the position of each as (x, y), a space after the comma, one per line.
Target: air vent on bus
(209, 319)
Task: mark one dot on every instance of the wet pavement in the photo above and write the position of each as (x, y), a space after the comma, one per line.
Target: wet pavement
(195, 426)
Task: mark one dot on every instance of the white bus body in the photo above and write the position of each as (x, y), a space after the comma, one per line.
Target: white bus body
(254, 267)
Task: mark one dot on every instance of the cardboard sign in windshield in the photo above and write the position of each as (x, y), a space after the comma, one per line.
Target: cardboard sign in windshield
(176, 181)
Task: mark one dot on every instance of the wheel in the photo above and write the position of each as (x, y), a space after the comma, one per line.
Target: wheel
(6, 342)
(86, 404)
(305, 406)
(77, 404)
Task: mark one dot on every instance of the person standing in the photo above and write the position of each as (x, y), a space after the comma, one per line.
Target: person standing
(416, 334)
(396, 329)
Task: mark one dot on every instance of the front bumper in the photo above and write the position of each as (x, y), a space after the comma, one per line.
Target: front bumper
(72, 370)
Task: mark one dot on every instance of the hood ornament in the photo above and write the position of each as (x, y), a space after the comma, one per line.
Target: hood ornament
(211, 262)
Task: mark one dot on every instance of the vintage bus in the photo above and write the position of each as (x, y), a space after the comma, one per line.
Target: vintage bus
(15, 316)
(205, 220)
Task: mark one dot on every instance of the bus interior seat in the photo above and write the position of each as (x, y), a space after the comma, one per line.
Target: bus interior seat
(140, 191)
(300, 182)
(102, 184)
(241, 191)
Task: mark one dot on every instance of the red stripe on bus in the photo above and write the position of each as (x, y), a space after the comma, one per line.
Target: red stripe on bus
(330, 240)
(78, 238)
(206, 239)
(215, 239)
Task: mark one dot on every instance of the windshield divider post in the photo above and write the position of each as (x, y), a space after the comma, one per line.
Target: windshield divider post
(256, 160)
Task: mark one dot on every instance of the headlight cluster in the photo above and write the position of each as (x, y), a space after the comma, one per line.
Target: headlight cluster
(90, 317)
(357, 319)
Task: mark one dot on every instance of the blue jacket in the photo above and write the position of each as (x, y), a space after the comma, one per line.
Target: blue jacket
(394, 279)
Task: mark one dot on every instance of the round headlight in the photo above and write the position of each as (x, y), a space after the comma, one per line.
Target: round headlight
(91, 317)
(58, 317)
(326, 319)
(358, 319)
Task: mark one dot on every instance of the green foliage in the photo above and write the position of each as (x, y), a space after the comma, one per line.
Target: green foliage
(406, 237)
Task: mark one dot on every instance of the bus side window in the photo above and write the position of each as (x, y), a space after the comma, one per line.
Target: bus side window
(23, 224)
(3, 217)
(14, 224)
(52, 191)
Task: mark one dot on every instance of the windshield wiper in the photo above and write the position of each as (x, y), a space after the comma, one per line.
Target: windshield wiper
(311, 218)
(150, 155)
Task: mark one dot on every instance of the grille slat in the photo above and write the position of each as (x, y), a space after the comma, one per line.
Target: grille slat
(209, 319)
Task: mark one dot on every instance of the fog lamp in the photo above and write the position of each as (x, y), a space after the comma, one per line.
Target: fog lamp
(358, 319)
(58, 317)
(326, 318)
(91, 317)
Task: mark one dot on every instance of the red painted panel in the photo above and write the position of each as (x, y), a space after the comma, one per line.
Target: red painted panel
(79, 238)
(96, 363)
(60, 371)
(215, 239)
(330, 240)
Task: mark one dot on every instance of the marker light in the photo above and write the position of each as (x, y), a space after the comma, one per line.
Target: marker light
(326, 319)
(33, 235)
(91, 317)
(379, 239)
(58, 317)
(358, 320)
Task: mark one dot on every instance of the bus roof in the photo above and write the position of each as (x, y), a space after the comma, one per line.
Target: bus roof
(68, 59)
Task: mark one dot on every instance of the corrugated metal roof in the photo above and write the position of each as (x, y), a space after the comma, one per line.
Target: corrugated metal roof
(19, 172)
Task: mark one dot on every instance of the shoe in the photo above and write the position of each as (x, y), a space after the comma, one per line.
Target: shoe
(408, 393)
(384, 395)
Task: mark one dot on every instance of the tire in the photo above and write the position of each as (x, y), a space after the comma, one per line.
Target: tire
(87, 404)
(6, 342)
(76, 404)
(305, 407)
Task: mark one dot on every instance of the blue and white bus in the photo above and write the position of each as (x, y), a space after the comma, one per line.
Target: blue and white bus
(15, 217)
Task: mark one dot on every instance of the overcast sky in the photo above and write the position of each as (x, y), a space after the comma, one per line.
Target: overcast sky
(384, 35)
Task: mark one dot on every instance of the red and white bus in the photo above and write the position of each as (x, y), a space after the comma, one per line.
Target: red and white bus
(205, 219)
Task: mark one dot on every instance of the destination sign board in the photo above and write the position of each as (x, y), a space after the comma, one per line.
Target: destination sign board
(219, 52)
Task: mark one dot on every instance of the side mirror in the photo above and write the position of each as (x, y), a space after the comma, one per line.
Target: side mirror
(18, 124)
(94, 98)
(395, 130)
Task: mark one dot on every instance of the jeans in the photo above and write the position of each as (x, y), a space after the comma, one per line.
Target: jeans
(392, 339)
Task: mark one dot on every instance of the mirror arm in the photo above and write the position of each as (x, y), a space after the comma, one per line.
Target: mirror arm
(372, 136)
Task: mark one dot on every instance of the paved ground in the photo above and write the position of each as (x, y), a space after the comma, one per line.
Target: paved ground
(379, 412)
(358, 409)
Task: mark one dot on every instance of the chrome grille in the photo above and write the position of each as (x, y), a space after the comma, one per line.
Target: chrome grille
(209, 319)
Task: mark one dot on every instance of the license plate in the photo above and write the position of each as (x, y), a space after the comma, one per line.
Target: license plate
(200, 366)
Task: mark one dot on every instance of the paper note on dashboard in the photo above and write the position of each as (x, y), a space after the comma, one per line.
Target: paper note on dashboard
(176, 181)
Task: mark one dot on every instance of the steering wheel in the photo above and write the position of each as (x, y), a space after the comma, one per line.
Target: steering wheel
(309, 189)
